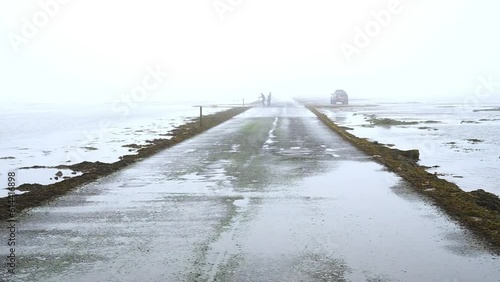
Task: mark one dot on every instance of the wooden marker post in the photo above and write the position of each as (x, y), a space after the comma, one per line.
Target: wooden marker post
(201, 116)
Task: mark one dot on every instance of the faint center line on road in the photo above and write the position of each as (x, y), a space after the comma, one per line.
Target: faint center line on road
(271, 136)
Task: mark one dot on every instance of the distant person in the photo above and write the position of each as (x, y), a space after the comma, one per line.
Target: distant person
(263, 99)
(269, 99)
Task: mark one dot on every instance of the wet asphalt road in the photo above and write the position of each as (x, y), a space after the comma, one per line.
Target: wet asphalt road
(271, 195)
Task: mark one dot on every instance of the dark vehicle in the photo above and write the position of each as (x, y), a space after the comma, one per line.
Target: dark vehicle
(340, 96)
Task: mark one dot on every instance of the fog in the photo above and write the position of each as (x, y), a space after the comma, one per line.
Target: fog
(100, 51)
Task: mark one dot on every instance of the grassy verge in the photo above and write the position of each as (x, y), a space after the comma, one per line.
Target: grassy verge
(477, 210)
(40, 194)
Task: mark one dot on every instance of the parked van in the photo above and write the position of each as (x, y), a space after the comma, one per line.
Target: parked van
(340, 96)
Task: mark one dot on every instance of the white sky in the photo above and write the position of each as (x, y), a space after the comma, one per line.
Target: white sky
(97, 50)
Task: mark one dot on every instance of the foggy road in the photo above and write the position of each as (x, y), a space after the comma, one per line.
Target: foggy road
(271, 195)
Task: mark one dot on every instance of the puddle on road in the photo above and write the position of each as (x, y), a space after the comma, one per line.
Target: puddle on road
(347, 216)
(242, 203)
(221, 255)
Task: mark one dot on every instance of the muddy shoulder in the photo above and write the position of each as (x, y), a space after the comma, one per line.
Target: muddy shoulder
(91, 171)
(478, 210)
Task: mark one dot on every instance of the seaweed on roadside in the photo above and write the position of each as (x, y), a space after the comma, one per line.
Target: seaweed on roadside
(486, 199)
(474, 140)
(132, 146)
(347, 128)
(428, 128)
(373, 120)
